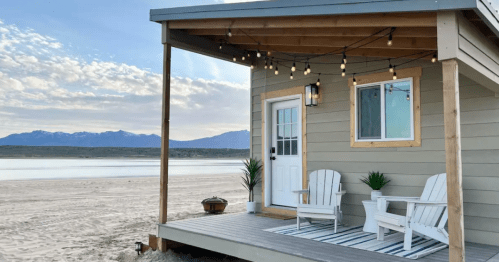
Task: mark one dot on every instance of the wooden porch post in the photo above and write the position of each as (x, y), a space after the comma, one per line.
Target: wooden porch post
(165, 133)
(452, 124)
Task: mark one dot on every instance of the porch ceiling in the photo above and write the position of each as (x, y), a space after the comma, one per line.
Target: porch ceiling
(413, 33)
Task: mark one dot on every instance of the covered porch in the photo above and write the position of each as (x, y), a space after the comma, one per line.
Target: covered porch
(438, 46)
(243, 236)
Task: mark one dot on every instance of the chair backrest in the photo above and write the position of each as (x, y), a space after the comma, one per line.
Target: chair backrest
(322, 186)
(434, 190)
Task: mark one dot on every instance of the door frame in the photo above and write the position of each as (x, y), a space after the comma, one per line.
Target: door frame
(267, 99)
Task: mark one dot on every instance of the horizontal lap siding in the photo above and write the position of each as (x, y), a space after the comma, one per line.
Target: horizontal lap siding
(328, 144)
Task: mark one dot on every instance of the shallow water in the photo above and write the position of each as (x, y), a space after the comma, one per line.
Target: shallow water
(21, 169)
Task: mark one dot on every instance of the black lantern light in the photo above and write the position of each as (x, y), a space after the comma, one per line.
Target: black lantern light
(311, 95)
(138, 247)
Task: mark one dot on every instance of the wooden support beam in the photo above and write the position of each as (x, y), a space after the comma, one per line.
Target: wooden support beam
(165, 129)
(364, 20)
(332, 41)
(453, 160)
(422, 32)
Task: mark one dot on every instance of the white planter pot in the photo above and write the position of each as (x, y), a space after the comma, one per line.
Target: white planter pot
(250, 207)
(375, 194)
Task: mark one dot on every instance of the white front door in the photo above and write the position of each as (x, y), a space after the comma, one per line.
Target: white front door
(286, 149)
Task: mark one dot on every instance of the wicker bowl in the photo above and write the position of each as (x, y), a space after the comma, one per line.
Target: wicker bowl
(214, 204)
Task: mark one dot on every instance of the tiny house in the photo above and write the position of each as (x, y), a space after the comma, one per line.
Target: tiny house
(408, 88)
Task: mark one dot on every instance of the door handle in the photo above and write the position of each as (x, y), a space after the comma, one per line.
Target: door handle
(272, 158)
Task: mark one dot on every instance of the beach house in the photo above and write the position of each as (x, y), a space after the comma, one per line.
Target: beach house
(409, 88)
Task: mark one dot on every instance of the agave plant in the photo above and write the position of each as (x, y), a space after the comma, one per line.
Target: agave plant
(375, 180)
(252, 169)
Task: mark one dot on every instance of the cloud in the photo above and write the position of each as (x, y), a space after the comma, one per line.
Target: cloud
(42, 86)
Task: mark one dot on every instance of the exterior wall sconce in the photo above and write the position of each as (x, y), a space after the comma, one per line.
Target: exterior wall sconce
(138, 247)
(311, 95)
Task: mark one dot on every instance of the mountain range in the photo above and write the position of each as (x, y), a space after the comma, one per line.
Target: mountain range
(234, 139)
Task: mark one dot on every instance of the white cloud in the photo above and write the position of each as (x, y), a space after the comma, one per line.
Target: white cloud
(43, 87)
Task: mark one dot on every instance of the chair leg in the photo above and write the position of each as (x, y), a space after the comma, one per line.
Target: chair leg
(381, 233)
(297, 222)
(335, 224)
(408, 239)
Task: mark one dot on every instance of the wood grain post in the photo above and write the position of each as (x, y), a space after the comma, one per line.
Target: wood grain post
(453, 162)
(165, 131)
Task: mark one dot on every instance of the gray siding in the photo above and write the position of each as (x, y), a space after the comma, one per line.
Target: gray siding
(328, 144)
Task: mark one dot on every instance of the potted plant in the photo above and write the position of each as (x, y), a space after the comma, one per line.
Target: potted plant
(375, 181)
(252, 170)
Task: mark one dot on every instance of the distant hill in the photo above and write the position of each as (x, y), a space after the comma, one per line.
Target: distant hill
(234, 140)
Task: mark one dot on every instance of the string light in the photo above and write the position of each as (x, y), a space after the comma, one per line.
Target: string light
(354, 80)
(375, 94)
(269, 53)
(318, 80)
(434, 58)
(390, 68)
(394, 74)
(249, 54)
(234, 58)
(220, 47)
(390, 91)
(293, 68)
(390, 39)
(243, 58)
(308, 68)
(408, 97)
(276, 71)
(266, 65)
(271, 63)
(252, 66)
(291, 76)
(343, 73)
(305, 71)
(344, 57)
(229, 34)
(258, 54)
(342, 66)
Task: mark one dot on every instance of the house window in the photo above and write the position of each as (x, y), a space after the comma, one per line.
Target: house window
(386, 113)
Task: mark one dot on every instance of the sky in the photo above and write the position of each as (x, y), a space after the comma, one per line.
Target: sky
(96, 66)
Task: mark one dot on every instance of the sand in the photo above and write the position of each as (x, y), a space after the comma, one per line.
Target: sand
(99, 219)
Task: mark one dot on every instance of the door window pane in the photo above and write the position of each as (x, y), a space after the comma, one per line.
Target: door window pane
(287, 131)
(369, 112)
(280, 116)
(279, 148)
(294, 147)
(287, 115)
(294, 115)
(398, 110)
(280, 131)
(287, 147)
(294, 131)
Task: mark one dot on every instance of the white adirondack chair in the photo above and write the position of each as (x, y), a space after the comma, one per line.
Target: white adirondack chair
(324, 197)
(426, 215)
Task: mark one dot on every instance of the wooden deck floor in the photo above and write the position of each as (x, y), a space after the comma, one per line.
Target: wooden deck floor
(242, 235)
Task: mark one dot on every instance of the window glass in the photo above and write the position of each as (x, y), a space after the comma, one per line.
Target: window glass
(280, 116)
(280, 148)
(369, 112)
(398, 110)
(287, 147)
(294, 147)
(294, 115)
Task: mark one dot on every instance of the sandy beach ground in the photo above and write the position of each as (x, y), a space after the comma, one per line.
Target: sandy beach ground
(98, 219)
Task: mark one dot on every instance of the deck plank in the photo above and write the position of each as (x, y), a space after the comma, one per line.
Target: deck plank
(246, 231)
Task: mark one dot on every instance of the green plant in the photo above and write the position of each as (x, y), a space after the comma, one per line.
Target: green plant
(252, 169)
(375, 180)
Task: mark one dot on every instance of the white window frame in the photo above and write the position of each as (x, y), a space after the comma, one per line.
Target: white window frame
(383, 111)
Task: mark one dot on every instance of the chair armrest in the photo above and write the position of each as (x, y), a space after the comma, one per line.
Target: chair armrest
(341, 193)
(399, 198)
(303, 191)
(428, 203)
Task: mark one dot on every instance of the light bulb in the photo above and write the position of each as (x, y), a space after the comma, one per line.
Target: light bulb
(408, 97)
(434, 58)
(305, 71)
(318, 82)
(308, 69)
(343, 73)
(269, 53)
(252, 66)
(390, 68)
(291, 76)
(258, 53)
(276, 71)
(266, 65)
(234, 58)
(394, 75)
(293, 68)
(342, 66)
(390, 40)
(229, 33)
(354, 82)
(243, 58)
(344, 58)
(249, 55)
(391, 88)
(271, 64)
(220, 47)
